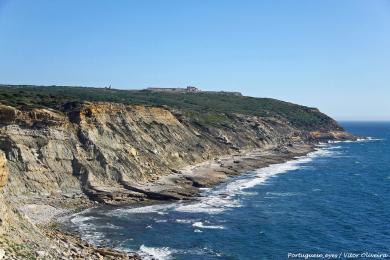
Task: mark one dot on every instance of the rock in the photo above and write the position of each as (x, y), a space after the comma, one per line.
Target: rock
(90, 144)
(2, 253)
(133, 152)
(175, 155)
(3, 169)
(41, 254)
(93, 149)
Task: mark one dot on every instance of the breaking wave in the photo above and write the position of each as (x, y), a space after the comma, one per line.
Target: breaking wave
(155, 253)
(225, 196)
(201, 225)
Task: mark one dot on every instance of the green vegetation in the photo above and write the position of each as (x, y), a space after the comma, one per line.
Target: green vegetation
(205, 108)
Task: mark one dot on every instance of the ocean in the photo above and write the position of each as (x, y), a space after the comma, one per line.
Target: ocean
(334, 201)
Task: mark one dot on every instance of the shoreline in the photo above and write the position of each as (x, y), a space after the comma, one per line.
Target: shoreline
(185, 185)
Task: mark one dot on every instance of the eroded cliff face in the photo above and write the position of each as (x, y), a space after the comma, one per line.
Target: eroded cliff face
(3, 181)
(104, 149)
(3, 170)
(18, 237)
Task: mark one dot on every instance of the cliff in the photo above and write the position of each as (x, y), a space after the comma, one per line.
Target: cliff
(102, 149)
(61, 143)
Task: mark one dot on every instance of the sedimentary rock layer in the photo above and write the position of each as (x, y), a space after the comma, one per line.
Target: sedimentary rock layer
(104, 149)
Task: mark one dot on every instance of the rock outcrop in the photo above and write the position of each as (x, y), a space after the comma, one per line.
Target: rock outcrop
(3, 170)
(104, 151)
(3, 205)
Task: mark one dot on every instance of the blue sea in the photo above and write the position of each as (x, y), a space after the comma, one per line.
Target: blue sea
(335, 201)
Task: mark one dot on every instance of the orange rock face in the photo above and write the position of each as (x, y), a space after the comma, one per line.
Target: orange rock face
(136, 112)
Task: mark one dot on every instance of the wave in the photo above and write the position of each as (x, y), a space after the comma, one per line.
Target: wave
(185, 221)
(226, 196)
(365, 139)
(201, 225)
(159, 209)
(166, 253)
(282, 194)
(212, 204)
(214, 201)
(160, 220)
(78, 219)
(369, 138)
(86, 229)
(155, 253)
(217, 200)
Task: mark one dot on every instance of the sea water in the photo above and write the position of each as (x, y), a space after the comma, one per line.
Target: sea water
(336, 200)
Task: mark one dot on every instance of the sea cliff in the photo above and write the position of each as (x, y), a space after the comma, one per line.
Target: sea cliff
(69, 149)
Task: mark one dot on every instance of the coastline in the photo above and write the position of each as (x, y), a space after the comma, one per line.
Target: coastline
(186, 185)
(50, 213)
(89, 150)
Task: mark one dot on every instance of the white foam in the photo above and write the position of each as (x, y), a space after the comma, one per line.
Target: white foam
(79, 219)
(88, 230)
(184, 221)
(160, 220)
(282, 194)
(155, 253)
(212, 204)
(201, 225)
(111, 226)
(366, 139)
(159, 209)
(225, 197)
(334, 147)
(374, 139)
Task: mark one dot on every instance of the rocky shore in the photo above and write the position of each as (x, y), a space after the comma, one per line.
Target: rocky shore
(57, 162)
(182, 185)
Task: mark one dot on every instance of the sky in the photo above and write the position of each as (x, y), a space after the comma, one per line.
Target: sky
(329, 54)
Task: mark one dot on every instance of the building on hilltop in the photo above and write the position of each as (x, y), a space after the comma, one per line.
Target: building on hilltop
(192, 89)
(189, 89)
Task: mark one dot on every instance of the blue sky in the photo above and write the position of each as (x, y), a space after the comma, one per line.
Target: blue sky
(330, 54)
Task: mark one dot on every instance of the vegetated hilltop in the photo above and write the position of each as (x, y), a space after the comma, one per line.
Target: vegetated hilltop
(205, 108)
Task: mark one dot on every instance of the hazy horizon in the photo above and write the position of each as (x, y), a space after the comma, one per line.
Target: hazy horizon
(332, 55)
